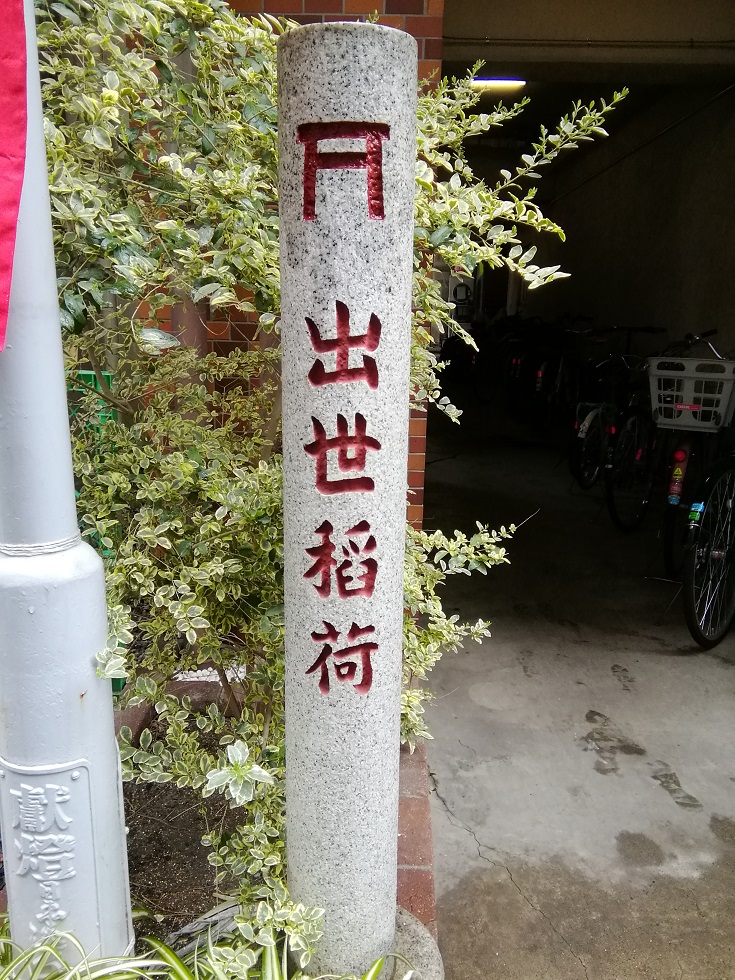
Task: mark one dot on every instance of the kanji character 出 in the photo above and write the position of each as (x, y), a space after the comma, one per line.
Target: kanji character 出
(341, 346)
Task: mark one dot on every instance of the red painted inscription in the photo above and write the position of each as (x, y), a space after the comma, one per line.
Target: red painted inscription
(351, 455)
(370, 160)
(355, 574)
(341, 345)
(345, 661)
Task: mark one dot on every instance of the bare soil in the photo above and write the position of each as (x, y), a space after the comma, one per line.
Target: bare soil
(169, 873)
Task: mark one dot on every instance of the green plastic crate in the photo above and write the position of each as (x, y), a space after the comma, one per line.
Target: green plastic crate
(106, 411)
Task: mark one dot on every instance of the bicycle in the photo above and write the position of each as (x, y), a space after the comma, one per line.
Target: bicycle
(697, 396)
(689, 404)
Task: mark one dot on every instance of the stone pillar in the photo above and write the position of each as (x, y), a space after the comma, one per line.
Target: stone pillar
(347, 143)
(60, 790)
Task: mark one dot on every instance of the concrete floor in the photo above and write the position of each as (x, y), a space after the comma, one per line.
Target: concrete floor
(584, 760)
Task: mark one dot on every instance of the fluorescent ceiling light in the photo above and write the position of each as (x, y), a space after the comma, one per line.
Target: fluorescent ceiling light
(498, 84)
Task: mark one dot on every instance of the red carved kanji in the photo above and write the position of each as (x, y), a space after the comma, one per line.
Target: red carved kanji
(351, 455)
(324, 560)
(342, 345)
(345, 669)
(348, 582)
(371, 160)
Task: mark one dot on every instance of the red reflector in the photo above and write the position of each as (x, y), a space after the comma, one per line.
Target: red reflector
(680, 455)
(539, 374)
(612, 430)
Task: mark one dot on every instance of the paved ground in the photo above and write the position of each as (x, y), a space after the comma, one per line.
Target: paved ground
(584, 761)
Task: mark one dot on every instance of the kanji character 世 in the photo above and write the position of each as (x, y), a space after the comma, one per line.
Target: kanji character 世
(371, 160)
(341, 346)
(348, 583)
(344, 669)
(351, 455)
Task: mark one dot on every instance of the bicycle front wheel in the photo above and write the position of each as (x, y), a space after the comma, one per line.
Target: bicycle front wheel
(709, 565)
(629, 471)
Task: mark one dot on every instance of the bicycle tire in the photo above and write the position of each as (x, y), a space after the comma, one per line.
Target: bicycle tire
(587, 451)
(709, 571)
(629, 471)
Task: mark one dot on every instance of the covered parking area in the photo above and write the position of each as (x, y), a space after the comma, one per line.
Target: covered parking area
(584, 766)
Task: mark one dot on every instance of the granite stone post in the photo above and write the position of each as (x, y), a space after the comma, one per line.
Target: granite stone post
(347, 148)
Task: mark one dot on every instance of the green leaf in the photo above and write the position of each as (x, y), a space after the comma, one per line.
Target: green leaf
(67, 14)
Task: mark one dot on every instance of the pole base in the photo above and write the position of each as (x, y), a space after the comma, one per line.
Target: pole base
(415, 942)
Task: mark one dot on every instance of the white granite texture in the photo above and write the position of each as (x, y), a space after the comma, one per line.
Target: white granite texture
(345, 252)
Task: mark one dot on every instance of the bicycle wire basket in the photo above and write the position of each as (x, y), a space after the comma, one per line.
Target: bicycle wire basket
(691, 393)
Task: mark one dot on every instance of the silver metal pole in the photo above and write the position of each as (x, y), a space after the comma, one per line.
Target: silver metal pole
(60, 790)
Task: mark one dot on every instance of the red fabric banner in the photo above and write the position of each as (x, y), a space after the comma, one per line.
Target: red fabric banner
(13, 125)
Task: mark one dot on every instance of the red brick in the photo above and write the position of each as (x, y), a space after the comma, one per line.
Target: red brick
(415, 847)
(417, 425)
(280, 7)
(404, 6)
(242, 331)
(394, 21)
(433, 47)
(425, 26)
(416, 495)
(339, 19)
(435, 8)
(417, 444)
(414, 775)
(427, 70)
(304, 19)
(323, 7)
(247, 6)
(416, 895)
(363, 6)
(415, 515)
(218, 330)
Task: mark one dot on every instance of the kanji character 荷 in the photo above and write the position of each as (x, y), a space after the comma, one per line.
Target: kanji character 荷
(345, 668)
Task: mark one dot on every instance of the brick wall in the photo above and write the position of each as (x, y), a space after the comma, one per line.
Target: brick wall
(422, 18)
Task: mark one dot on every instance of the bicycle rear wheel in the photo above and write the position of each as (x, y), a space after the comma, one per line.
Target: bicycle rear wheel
(586, 452)
(709, 565)
(629, 471)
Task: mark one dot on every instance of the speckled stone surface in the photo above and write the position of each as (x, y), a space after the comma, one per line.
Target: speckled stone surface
(414, 942)
(346, 256)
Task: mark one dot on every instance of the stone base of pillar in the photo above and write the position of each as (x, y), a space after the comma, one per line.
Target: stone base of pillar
(414, 942)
